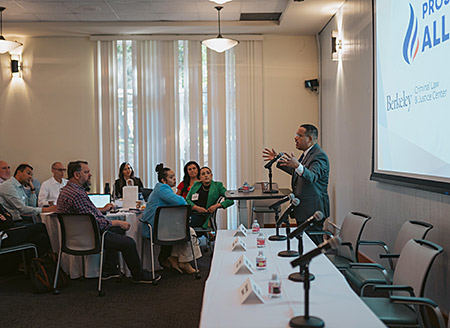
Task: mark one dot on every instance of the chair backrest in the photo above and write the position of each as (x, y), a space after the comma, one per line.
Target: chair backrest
(350, 233)
(171, 225)
(80, 234)
(414, 264)
(146, 193)
(410, 230)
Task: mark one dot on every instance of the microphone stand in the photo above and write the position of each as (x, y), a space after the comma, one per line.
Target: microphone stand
(288, 252)
(306, 321)
(270, 190)
(301, 276)
(277, 236)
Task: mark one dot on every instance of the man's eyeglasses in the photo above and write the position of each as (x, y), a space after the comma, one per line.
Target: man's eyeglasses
(300, 136)
(61, 170)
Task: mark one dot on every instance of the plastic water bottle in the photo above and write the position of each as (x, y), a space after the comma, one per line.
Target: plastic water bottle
(261, 262)
(261, 240)
(255, 227)
(274, 287)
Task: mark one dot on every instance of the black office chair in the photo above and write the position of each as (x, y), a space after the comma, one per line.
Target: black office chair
(171, 227)
(17, 248)
(146, 193)
(80, 236)
(410, 277)
(198, 220)
(361, 274)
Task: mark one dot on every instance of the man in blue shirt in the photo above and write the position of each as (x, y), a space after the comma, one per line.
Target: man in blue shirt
(14, 198)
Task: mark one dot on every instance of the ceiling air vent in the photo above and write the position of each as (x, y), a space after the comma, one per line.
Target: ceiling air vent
(260, 16)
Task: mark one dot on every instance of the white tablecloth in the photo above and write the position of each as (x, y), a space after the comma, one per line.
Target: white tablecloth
(73, 264)
(331, 298)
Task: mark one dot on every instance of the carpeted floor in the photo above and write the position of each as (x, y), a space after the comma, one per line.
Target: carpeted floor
(175, 302)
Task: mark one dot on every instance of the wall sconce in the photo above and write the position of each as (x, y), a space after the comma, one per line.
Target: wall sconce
(16, 65)
(336, 46)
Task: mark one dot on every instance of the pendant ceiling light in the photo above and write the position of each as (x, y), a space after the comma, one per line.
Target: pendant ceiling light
(6, 46)
(219, 43)
(220, 2)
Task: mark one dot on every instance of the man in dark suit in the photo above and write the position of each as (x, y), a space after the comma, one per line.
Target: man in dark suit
(309, 176)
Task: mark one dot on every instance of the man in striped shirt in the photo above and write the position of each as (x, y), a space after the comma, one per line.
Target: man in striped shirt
(74, 199)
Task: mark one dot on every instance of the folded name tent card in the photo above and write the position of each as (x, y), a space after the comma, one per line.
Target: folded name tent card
(241, 231)
(130, 196)
(238, 245)
(250, 292)
(243, 265)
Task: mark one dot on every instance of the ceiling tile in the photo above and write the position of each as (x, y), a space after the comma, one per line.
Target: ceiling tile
(44, 7)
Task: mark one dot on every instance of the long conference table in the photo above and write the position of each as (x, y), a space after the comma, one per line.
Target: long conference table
(331, 298)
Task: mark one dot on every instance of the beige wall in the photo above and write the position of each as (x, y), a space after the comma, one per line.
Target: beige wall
(346, 109)
(49, 114)
(288, 62)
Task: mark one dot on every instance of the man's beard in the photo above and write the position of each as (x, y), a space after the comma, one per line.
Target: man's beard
(86, 184)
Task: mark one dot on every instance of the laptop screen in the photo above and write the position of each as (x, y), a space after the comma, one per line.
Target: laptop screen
(100, 200)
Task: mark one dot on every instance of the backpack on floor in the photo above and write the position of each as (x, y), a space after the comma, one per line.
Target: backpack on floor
(42, 274)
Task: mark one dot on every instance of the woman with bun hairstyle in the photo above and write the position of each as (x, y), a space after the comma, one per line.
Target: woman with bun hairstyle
(191, 175)
(163, 195)
(126, 173)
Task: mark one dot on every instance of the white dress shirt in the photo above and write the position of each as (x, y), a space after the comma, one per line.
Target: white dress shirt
(50, 191)
(300, 169)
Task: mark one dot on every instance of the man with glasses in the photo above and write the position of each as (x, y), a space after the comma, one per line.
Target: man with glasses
(5, 171)
(309, 176)
(50, 188)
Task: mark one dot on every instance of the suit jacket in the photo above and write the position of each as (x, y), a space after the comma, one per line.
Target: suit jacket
(215, 191)
(311, 187)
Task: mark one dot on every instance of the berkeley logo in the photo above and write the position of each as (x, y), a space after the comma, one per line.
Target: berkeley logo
(411, 42)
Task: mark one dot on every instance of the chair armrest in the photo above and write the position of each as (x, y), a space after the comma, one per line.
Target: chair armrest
(380, 243)
(421, 301)
(394, 288)
(12, 229)
(389, 256)
(375, 266)
(348, 244)
(319, 233)
(413, 300)
(5, 232)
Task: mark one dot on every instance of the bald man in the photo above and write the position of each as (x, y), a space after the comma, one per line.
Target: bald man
(50, 188)
(5, 171)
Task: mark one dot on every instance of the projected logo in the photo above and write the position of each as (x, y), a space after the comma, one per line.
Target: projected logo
(411, 42)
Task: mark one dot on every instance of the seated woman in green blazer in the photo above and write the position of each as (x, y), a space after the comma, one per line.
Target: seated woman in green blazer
(204, 194)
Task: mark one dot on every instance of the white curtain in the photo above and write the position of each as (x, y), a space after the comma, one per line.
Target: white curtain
(187, 104)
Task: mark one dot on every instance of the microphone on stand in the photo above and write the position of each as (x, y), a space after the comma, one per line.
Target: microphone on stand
(317, 216)
(307, 320)
(323, 248)
(285, 216)
(283, 200)
(300, 276)
(273, 160)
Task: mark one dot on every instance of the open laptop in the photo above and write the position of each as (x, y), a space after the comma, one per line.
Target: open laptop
(100, 200)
